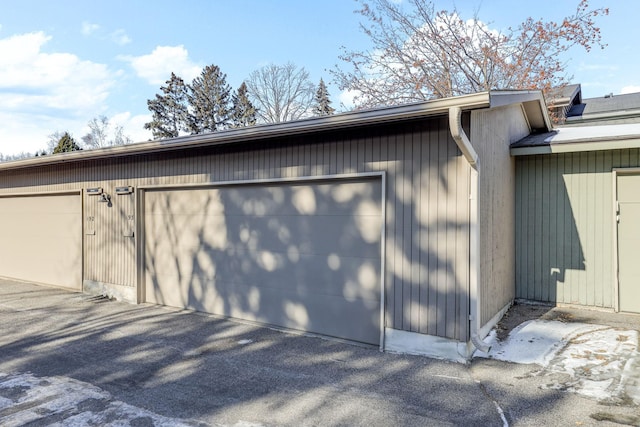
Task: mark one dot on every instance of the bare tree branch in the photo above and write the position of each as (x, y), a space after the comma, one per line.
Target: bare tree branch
(281, 93)
(419, 54)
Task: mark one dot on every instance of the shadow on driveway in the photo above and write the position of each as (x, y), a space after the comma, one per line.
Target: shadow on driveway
(208, 371)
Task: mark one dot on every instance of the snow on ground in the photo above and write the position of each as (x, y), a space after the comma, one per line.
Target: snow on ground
(597, 361)
(61, 401)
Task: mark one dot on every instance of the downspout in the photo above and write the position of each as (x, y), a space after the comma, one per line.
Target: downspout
(463, 143)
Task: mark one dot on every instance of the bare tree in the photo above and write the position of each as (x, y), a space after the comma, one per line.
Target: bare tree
(103, 134)
(281, 93)
(419, 53)
(19, 156)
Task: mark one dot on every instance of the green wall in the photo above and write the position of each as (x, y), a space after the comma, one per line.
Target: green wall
(564, 226)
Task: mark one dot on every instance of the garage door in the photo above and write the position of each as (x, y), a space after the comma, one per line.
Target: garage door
(629, 243)
(42, 239)
(302, 256)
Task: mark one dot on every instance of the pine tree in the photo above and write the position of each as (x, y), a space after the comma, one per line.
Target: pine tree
(243, 113)
(170, 111)
(208, 98)
(66, 144)
(322, 102)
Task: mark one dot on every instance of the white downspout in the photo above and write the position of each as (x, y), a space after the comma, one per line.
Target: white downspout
(461, 139)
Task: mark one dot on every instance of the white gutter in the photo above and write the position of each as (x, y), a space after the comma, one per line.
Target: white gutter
(461, 139)
(455, 126)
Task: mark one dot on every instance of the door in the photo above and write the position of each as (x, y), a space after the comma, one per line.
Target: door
(42, 239)
(628, 187)
(302, 256)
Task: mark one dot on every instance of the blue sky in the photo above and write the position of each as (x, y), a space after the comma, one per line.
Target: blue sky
(63, 63)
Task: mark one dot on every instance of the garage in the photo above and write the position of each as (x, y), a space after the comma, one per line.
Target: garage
(304, 254)
(42, 238)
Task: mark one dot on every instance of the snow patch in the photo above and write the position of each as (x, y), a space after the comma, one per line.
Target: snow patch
(599, 361)
(534, 341)
(30, 399)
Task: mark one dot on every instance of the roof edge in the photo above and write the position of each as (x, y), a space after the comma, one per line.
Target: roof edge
(613, 115)
(533, 103)
(578, 145)
(267, 131)
(532, 100)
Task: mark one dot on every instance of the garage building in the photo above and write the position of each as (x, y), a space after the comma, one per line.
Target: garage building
(393, 227)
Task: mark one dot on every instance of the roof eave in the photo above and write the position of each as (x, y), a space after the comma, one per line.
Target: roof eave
(267, 131)
(532, 101)
(577, 146)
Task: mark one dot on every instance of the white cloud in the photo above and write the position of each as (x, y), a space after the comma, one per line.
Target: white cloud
(45, 92)
(38, 81)
(21, 132)
(133, 126)
(347, 98)
(630, 89)
(157, 66)
(120, 37)
(88, 28)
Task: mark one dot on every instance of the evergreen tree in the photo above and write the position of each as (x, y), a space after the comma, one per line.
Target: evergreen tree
(243, 113)
(208, 98)
(66, 144)
(322, 103)
(170, 111)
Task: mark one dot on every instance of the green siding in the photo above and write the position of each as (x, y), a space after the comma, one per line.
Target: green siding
(564, 226)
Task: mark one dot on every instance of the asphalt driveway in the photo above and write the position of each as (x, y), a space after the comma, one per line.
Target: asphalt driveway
(72, 359)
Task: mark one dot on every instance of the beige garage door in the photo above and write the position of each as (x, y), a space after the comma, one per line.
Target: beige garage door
(42, 239)
(302, 256)
(629, 243)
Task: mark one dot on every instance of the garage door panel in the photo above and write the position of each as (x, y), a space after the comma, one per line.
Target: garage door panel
(300, 234)
(318, 235)
(42, 239)
(220, 252)
(304, 234)
(323, 314)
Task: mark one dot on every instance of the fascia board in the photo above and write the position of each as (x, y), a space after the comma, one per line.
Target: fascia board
(577, 146)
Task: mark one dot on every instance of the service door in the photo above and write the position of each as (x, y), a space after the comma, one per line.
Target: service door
(304, 256)
(41, 239)
(629, 243)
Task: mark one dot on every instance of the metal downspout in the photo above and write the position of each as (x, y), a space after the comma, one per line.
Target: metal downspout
(463, 143)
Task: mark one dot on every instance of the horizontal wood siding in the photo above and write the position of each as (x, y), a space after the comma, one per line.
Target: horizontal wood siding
(564, 227)
(494, 130)
(426, 210)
